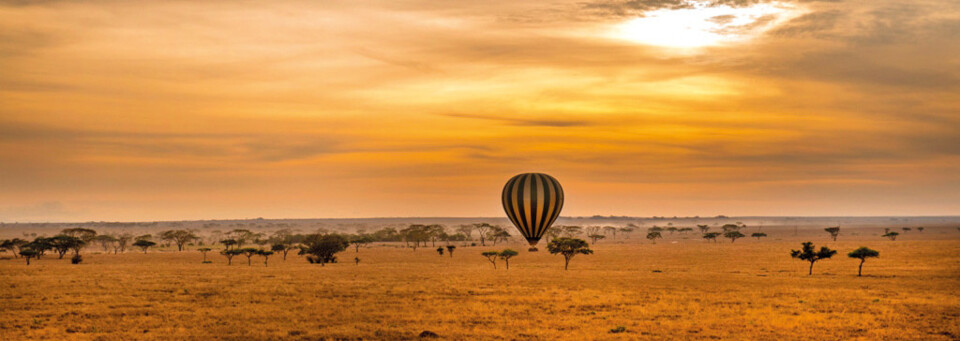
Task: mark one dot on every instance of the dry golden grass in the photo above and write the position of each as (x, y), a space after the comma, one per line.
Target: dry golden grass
(685, 290)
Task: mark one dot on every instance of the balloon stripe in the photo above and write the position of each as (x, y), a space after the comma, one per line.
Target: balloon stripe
(521, 214)
(548, 202)
(559, 207)
(508, 203)
(534, 207)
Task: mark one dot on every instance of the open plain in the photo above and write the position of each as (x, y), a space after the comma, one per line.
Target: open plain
(681, 287)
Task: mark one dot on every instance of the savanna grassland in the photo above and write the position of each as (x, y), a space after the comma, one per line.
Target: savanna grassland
(679, 288)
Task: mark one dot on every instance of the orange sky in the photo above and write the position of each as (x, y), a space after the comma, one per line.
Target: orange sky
(144, 110)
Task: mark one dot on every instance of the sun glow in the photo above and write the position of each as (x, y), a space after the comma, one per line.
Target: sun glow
(704, 25)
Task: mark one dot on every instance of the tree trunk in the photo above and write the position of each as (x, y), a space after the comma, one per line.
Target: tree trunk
(811, 269)
(507, 261)
(860, 270)
(566, 262)
(179, 247)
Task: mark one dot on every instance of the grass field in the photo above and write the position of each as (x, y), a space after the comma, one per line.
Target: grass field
(679, 288)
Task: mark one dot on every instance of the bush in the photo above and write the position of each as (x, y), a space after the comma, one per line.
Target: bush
(76, 259)
(618, 329)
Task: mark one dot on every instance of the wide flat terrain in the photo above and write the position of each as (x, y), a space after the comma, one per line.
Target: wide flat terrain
(679, 288)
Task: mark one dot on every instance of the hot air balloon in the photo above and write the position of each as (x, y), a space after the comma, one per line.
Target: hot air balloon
(532, 202)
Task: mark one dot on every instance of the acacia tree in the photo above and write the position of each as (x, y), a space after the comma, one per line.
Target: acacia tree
(40, 245)
(229, 253)
(758, 235)
(653, 236)
(440, 250)
(27, 254)
(123, 240)
(711, 236)
(361, 240)
(809, 255)
(179, 237)
(63, 243)
(85, 234)
(505, 255)
(568, 247)
(482, 229)
(204, 251)
(891, 235)
(229, 243)
(144, 244)
(610, 229)
(833, 231)
(498, 233)
(15, 245)
(595, 237)
(322, 248)
(249, 252)
(266, 255)
(862, 254)
(733, 235)
(450, 249)
(491, 256)
(106, 241)
(703, 228)
(920, 229)
(417, 234)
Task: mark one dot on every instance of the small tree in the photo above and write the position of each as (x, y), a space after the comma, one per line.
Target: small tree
(568, 247)
(833, 231)
(450, 249)
(733, 235)
(808, 254)
(653, 236)
(440, 250)
(266, 255)
(228, 243)
(595, 237)
(862, 254)
(106, 241)
(322, 248)
(711, 236)
(920, 229)
(907, 229)
(123, 240)
(758, 235)
(492, 257)
(27, 254)
(703, 228)
(360, 240)
(283, 248)
(891, 235)
(482, 229)
(506, 255)
(144, 244)
(204, 251)
(230, 253)
(179, 237)
(249, 252)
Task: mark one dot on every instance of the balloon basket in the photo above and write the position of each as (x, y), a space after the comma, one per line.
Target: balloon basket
(532, 249)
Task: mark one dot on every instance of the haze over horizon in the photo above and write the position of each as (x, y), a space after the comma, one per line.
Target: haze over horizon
(142, 111)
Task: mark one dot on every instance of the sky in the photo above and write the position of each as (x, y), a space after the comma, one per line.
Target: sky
(166, 110)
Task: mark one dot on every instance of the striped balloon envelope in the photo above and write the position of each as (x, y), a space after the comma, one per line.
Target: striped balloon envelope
(533, 202)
